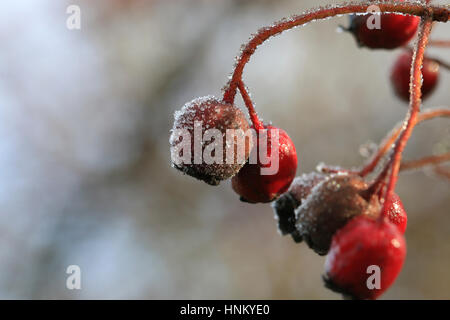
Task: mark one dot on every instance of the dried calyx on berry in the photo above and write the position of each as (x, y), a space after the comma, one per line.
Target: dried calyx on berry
(365, 258)
(254, 186)
(396, 213)
(330, 205)
(386, 31)
(284, 207)
(200, 146)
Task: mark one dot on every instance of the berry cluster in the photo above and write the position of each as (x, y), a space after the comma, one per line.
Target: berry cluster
(356, 221)
(339, 214)
(394, 31)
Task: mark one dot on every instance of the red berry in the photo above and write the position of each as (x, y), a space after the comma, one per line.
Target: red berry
(362, 243)
(209, 113)
(395, 30)
(255, 187)
(330, 205)
(284, 207)
(397, 214)
(400, 76)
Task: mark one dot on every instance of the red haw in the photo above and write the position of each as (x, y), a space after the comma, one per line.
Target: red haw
(392, 31)
(335, 211)
(329, 206)
(251, 184)
(401, 75)
(192, 123)
(365, 258)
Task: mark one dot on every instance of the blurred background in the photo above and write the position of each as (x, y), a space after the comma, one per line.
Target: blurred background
(85, 165)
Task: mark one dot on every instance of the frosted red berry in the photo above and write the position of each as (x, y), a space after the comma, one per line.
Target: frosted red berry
(329, 206)
(208, 113)
(284, 207)
(362, 243)
(252, 185)
(395, 30)
(400, 76)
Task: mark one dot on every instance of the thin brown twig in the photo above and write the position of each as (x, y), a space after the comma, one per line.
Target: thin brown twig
(442, 171)
(387, 143)
(425, 161)
(440, 43)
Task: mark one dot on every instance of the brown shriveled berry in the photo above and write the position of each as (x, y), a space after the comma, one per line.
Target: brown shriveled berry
(203, 160)
(330, 205)
(284, 207)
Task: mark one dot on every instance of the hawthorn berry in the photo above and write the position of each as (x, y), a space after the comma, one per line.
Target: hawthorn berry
(284, 207)
(400, 75)
(330, 205)
(335, 211)
(252, 185)
(361, 243)
(200, 115)
(397, 214)
(394, 30)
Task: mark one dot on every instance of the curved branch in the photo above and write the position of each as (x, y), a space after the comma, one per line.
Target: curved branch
(438, 13)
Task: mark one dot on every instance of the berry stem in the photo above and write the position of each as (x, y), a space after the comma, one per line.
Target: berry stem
(414, 107)
(426, 161)
(438, 13)
(385, 146)
(257, 124)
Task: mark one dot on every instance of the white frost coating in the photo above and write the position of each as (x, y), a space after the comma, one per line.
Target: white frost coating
(188, 109)
(305, 203)
(185, 119)
(303, 185)
(199, 145)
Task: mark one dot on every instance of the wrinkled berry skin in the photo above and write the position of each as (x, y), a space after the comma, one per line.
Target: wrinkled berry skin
(400, 76)
(284, 207)
(397, 214)
(254, 187)
(212, 114)
(329, 206)
(395, 30)
(364, 242)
